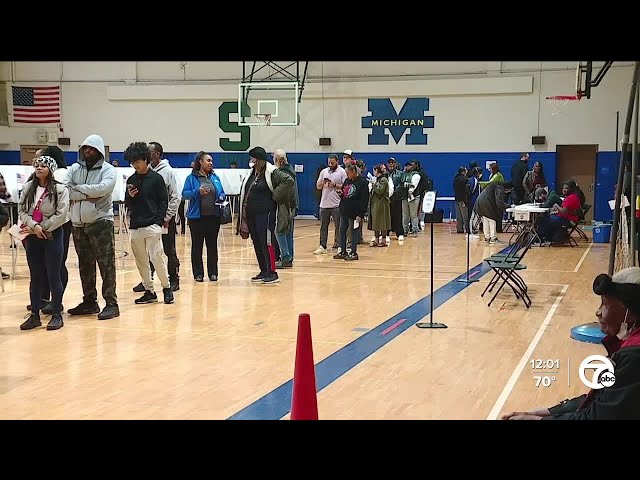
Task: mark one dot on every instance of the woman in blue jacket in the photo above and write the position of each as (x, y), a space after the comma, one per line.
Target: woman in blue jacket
(204, 191)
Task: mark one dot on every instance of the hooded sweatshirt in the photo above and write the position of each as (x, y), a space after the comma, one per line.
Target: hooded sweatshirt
(169, 177)
(90, 190)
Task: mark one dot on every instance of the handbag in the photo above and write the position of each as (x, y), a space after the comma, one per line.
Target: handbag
(37, 215)
(225, 213)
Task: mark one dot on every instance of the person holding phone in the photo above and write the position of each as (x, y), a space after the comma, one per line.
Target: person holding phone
(203, 189)
(42, 211)
(147, 201)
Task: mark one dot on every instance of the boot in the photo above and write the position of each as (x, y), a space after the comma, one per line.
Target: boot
(56, 322)
(32, 322)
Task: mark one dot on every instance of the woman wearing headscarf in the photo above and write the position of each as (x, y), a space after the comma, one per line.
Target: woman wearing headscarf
(43, 210)
(262, 191)
(619, 318)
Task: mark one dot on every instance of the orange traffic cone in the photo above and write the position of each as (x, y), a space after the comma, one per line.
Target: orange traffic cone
(304, 403)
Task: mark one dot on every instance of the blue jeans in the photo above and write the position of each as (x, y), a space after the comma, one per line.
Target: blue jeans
(285, 241)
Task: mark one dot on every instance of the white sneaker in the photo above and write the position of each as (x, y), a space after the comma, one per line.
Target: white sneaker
(320, 251)
(388, 240)
(401, 238)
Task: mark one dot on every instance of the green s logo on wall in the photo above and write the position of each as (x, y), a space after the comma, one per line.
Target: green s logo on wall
(224, 112)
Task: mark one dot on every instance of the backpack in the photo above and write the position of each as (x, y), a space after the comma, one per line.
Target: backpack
(425, 184)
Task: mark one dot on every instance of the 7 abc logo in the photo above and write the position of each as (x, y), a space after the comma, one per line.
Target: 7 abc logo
(602, 375)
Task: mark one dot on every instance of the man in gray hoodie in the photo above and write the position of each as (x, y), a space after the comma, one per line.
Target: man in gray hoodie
(161, 165)
(91, 181)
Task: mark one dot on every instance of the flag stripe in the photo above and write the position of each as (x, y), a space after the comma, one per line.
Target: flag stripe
(25, 110)
(36, 104)
(39, 115)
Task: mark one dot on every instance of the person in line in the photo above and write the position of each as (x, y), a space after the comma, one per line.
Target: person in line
(42, 211)
(91, 181)
(353, 206)
(261, 192)
(203, 189)
(163, 167)
(147, 199)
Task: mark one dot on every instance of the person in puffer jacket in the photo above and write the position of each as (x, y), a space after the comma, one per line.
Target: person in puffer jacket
(91, 181)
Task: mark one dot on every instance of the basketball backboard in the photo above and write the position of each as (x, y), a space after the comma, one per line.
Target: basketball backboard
(268, 104)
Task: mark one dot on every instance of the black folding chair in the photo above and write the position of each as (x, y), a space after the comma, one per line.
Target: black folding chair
(506, 269)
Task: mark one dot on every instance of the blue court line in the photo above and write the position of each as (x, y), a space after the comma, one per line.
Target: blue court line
(277, 403)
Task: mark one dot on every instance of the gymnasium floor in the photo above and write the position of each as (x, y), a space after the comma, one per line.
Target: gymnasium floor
(226, 349)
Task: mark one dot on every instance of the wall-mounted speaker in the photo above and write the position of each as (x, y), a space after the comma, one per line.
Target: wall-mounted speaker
(538, 140)
(324, 142)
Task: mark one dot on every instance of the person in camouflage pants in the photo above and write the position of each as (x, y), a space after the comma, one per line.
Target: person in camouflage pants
(91, 182)
(95, 243)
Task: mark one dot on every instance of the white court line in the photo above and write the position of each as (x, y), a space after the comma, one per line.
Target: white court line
(293, 272)
(584, 255)
(497, 408)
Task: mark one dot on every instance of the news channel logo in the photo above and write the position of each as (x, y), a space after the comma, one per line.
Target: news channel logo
(596, 372)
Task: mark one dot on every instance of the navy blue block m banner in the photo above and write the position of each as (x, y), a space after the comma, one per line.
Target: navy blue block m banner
(384, 117)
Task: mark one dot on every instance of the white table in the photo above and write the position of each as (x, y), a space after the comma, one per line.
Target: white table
(528, 213)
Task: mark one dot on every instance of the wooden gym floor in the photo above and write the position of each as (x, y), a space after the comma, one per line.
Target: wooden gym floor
(226, 349)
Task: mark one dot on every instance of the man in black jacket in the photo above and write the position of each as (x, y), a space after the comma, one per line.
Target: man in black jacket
(518, 171)
(147, 200)
(354, 201)
(617, 396)
(461, 194)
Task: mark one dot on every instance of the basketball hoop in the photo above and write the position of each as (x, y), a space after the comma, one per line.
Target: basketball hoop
(559, 102)
(263, 119)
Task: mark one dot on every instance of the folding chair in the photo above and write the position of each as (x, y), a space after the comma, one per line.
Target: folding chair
(576, 227)
(506, 269)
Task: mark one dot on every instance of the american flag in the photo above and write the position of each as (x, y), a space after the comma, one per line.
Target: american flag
(36, 105)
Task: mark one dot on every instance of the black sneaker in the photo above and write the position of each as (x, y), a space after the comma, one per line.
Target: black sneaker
(351, 257)
(139, 288)
(213, 278)
(168, 295)
(110, 311)
(271, 278)
(175, 284)
(284, 264)
(340, 256)
(85, 309)
(56, 322)
(32, 322)
(148, 297)
(258, 278)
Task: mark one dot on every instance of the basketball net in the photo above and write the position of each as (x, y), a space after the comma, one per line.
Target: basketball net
(622, 259)
(559, 102)
(263, 119)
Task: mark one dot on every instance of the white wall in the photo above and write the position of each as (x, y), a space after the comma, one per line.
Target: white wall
(494, 111)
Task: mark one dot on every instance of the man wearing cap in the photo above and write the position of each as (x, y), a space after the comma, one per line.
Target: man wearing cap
(619, 318)
(91, 181)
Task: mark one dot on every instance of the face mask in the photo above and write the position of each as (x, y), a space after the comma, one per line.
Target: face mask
(252, 163)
